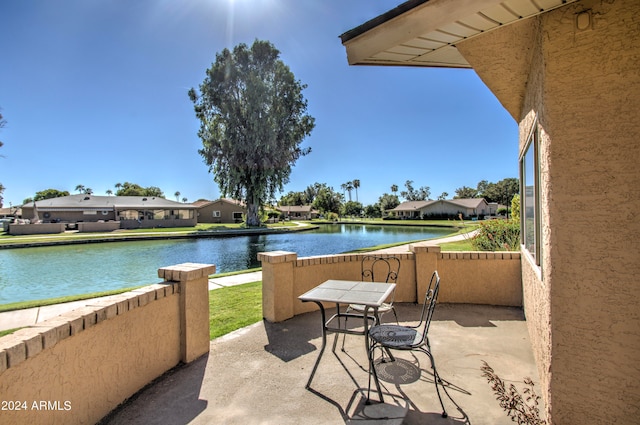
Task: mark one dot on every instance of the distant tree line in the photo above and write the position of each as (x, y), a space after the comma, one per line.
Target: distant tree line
(326, 200)
(122, 189)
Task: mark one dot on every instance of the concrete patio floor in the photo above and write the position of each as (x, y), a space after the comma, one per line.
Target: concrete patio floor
(257, 375)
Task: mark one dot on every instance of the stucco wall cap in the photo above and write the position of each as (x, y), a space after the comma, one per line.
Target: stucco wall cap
(186, 271)
(424, 247)
(274, 257)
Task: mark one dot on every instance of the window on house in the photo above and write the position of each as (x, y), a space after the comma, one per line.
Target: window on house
(529, 196)
(183, 214)
(128, 215)
(237, 216)
(216, 214)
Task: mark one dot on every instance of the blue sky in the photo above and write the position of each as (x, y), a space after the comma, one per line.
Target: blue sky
(95, 93)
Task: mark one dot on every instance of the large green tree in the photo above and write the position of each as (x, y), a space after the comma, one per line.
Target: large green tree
(465, 192)
(502, 191)
(49, 193)
(253, 118)
(388, 202)
(133, 189)
(293, 198)
(327, 200)
(412, 194)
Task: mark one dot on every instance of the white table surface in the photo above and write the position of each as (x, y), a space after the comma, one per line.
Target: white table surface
(371, 294)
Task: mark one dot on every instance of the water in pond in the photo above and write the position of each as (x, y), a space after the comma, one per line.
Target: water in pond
(48, 272)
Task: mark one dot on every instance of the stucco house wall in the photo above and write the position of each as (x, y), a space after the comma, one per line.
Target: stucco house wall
(444, 207)
(225, 208)
(71, 216)
(583, 85)
(468, 207)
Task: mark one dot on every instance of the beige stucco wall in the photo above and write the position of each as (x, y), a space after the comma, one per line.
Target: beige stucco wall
(106, 226)
(176, 222)
(69, 216)
(467, 277)
(84, 363)
(582, 303)
(447, 208)
(34, 229)
(205, 214)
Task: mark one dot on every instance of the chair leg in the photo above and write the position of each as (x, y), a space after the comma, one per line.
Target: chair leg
(395, 315)
(372, 372)
(436, 380)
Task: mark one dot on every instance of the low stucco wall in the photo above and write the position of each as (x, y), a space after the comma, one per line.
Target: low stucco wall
(77, 367)
(147, 224)
(34, 229)
(106, 226)
(467, 277)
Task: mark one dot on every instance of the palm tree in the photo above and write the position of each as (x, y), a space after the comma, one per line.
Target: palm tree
(394, 188)
(177, 195)
(184, 200)
(109, 192)
(348, 186)
(88, 191)
(356, 185)
(80, 188)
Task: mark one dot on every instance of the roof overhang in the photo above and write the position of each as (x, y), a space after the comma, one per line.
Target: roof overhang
(425, 32)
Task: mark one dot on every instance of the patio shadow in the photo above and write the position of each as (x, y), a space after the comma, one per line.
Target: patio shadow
(179, 386)
(289, 340)
(466, 315)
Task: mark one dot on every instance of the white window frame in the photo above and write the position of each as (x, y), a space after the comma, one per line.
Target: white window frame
(530, 217)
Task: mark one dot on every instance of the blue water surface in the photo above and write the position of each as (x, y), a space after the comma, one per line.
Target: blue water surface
(48, 272)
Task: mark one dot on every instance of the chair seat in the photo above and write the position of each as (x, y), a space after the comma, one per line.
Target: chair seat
(395, 336)
(360, 307)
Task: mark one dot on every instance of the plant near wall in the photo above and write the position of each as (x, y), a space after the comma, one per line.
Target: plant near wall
(497, 235)
(521, 408)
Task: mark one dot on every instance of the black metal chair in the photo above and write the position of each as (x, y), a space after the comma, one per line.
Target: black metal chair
(408, 338)
(374, 268)
(378, 269)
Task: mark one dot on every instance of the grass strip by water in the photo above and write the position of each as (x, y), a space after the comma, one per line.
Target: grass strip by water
(464, 245)
(234, 307)
(59, 300)
(8, 331)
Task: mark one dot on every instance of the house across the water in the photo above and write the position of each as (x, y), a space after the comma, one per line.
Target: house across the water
(106, 213)
(451, 208)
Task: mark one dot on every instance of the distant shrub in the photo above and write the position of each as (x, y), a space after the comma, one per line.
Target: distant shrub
(331, 216)
(441, 216)
(515, 207)
(497, 235)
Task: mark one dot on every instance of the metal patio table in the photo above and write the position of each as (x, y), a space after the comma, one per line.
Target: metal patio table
(369, 294)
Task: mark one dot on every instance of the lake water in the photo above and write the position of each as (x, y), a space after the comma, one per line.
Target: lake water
(48, 272)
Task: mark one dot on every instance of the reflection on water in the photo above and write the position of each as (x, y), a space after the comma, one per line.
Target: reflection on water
(47, 272)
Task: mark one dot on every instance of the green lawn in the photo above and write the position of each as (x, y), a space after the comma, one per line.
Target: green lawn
(458, 246)
(8, 331)
(234, 307)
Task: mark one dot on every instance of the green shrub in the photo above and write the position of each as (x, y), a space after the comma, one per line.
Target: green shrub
(331, 216)
(498, 235)
(515, 207)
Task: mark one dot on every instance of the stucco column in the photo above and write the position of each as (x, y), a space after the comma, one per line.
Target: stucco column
(277, 284)
(426, 255)
(193, 279)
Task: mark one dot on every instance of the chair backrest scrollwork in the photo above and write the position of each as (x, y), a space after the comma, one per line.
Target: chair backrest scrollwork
(380, 268)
